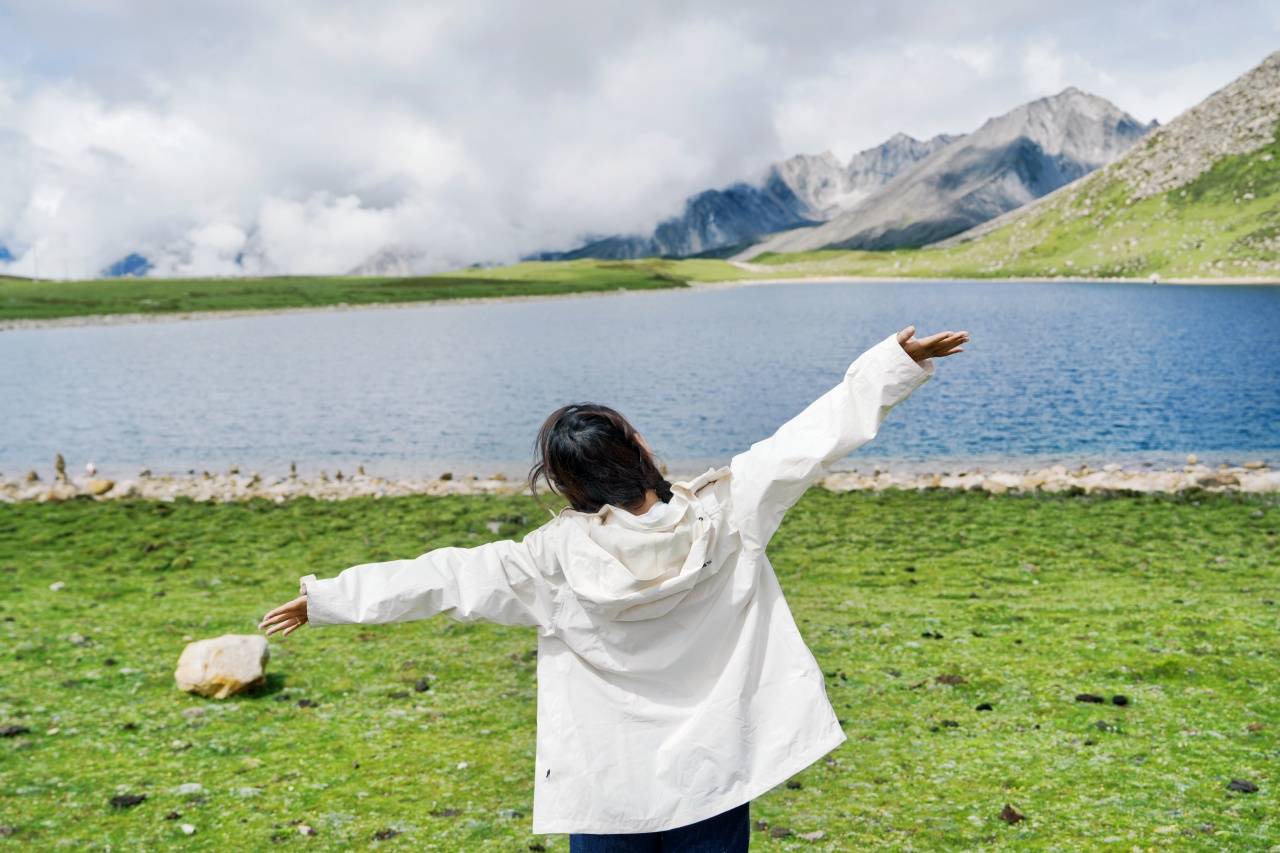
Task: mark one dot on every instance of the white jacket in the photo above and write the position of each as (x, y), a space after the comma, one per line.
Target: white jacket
(673, 683)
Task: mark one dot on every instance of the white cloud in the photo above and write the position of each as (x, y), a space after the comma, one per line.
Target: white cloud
(304, 137)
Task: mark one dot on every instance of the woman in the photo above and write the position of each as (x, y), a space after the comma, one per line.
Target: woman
(673, 684)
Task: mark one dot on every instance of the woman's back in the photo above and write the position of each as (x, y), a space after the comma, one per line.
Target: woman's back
(673, 683)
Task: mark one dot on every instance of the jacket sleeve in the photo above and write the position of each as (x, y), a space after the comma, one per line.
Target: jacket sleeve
(770, 477)
(501, 582)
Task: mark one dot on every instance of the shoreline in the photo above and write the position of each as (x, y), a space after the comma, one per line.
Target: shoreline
(1254, 477)
(78, 320)
(125, 319)
(873, 279)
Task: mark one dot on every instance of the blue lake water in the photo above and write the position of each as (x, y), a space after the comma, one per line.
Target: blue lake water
(1055, 372)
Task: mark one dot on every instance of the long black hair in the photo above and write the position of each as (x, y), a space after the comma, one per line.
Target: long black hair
(593, 456)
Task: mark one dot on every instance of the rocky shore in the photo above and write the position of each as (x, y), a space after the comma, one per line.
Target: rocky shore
(1252, 476)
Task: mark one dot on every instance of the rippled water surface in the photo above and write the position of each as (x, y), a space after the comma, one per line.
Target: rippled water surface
(1062, 371)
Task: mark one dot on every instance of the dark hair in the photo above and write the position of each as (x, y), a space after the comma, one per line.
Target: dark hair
(593, 456)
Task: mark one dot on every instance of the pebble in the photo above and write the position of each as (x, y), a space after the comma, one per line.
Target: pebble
(57, 586)
(305, 829)
(188, 829)
(1254, 475)
(462, 765)
(1244, 786)
(189, 789)
(816, 835)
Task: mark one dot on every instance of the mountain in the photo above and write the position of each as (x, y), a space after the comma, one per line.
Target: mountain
(801, 191)
(711, 220)
(1196, 199)
(1012, 159)
(131, 264)
(828, 188)
(1199, 197)
(390, 261)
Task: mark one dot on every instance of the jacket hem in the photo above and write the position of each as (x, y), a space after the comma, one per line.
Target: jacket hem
(799, 761)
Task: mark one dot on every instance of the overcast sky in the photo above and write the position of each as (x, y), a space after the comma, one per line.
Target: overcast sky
(305, 137)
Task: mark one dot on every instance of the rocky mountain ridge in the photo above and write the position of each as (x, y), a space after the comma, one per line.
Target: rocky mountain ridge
(801, 191)
(1009, 161)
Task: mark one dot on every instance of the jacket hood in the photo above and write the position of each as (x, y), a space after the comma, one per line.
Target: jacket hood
(624, 568)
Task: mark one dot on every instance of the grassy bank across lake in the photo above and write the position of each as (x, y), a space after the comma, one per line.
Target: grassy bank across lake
(24, 302)
(921, 607)
(25, 299)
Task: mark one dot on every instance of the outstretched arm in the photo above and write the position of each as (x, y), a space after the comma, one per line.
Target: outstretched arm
(770, 477)
(501, 582)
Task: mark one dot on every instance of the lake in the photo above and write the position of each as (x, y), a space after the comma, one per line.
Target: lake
(1070, 372)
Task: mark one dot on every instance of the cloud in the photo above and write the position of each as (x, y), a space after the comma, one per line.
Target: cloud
(294, 137)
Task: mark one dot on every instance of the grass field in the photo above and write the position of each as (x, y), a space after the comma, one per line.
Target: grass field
(23, 299)
(1030, 600)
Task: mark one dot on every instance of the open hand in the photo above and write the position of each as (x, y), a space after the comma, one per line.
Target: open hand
(286, 618)
(934, 346)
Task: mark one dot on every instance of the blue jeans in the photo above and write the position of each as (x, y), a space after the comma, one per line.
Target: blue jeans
(727, 832)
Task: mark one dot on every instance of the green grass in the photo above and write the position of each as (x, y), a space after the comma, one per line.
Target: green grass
(1170, 600)
(37, 300)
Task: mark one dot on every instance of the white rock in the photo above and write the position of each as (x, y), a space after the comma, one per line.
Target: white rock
(188, 829)
(222, 666)
(57, 586)
(1261, 481)
(189, 789)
